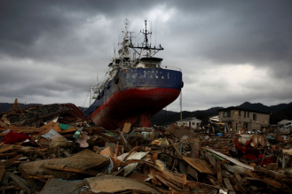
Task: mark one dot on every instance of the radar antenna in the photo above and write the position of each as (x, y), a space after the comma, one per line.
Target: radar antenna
(146, 33)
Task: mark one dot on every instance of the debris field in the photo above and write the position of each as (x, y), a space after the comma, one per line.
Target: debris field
(56, 149)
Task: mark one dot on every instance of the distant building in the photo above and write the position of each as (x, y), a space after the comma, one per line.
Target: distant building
(285, 126)
(284, 123)
(191, 122)
(239, 118)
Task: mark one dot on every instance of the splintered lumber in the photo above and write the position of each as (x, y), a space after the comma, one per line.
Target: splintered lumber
(237, 176)
(169, 184)
(175, 148)
(211, 160)
(10, 161)
(124, 142)
(240, 170)
(5, 155)
(26, 177)
(192, 172)
(7, 148)
(228, 185)
(68, 130)
(41, 177)
(277, 176)
(28, 150)
(94, 130)
(273, 183)
(229, 158)
(201, 165)
(109, 138)
(2, 172)
(219, 172)
(177, 178)
(127, 128)
(195, 148)
(20, 182)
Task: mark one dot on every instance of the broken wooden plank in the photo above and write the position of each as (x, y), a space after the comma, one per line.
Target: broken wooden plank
(41, 177)
(192, 172)
(195, 149)
(228, 185)
(273, 183)
(27, 178)
(175, 148)
(174, 178)
(6, 148)
(229, 158)
(237, 176)
(68, 130)
(127, 128)
(219, 172)
(169, 184)
(109, 138)
(211, 160)
(124, 142)
(10, 161)
(19, 182)
(240, 170)
(5, 155)
(201, 165)
(277, 176)
(2, 172)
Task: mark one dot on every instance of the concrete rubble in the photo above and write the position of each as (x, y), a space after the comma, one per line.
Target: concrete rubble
(56, 149)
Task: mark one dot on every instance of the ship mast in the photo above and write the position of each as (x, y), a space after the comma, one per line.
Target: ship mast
(150, 51)
(124, 53)
(146, 35)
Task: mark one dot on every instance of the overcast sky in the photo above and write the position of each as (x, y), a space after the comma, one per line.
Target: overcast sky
(229, 52)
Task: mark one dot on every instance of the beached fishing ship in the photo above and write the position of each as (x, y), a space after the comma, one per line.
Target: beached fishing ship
(136, 86)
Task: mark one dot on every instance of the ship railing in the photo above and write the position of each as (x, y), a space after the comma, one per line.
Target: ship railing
(163, 67)
(170, 67)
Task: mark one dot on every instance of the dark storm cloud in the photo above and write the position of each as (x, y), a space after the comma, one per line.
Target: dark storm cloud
(223, 31)
(24, 22)
(238, 32)
(58, 48)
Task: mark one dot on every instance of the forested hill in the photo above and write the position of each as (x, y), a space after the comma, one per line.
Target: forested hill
(278, 113)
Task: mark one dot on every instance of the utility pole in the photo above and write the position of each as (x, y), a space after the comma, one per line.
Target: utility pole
(180, 106)
(91, 95)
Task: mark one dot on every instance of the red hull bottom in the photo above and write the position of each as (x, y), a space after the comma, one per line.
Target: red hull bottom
(136, 106)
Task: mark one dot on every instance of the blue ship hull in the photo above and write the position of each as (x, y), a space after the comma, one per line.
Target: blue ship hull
(134, 95)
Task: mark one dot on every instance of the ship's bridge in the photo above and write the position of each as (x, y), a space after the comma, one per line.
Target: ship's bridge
(149, 62)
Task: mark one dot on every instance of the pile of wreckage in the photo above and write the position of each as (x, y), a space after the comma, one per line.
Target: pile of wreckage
(56, 149)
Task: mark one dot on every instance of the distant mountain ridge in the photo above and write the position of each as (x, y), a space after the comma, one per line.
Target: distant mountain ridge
(263, 108)
(278, 112)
